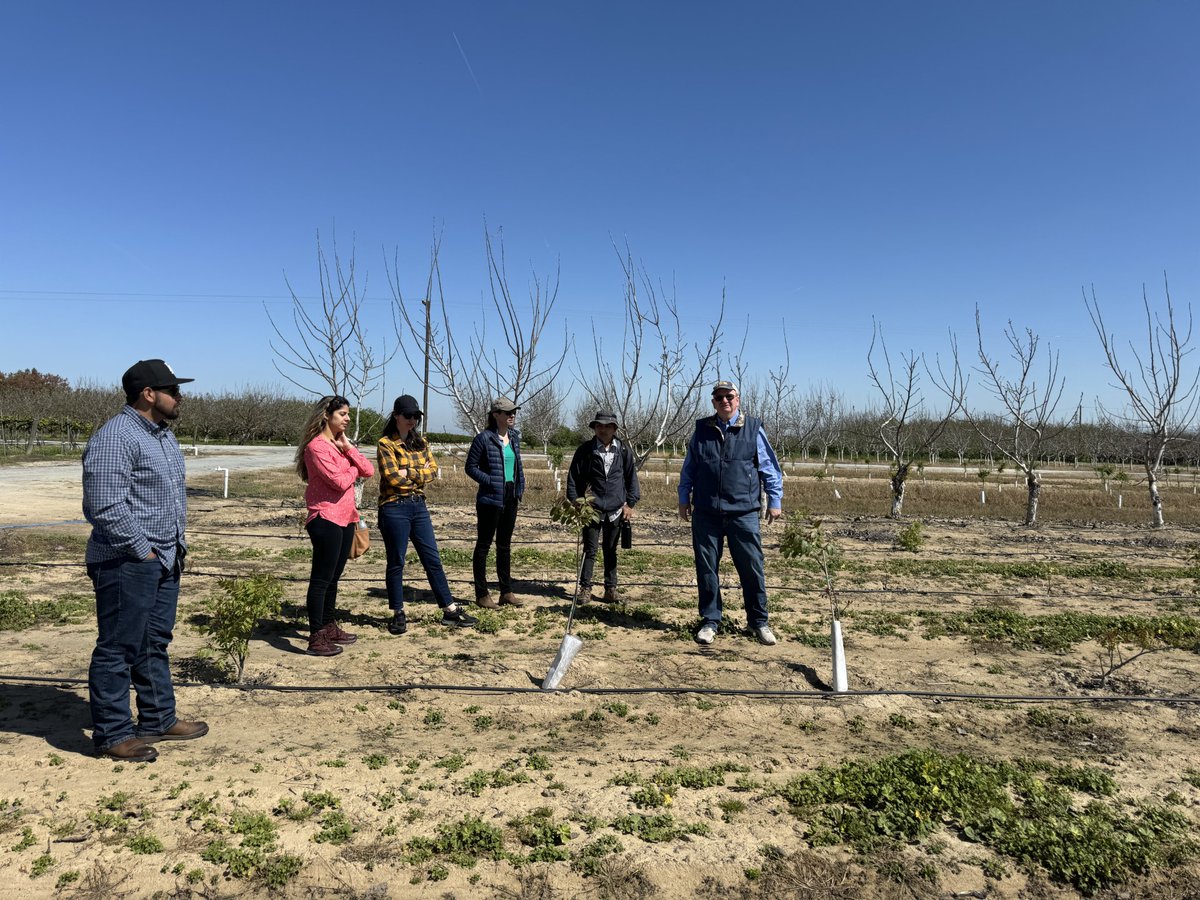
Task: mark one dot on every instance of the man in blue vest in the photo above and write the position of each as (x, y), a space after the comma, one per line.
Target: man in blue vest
(729, 465)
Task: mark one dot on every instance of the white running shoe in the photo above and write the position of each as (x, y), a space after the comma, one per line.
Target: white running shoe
(706, 634)
(765, 635)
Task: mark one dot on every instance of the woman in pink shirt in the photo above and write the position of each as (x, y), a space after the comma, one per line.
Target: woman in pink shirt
(330, 464)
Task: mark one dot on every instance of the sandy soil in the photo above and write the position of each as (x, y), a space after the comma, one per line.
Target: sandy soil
(415, 732)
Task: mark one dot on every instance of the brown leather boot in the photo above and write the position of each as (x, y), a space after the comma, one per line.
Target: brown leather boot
(510, 598)
(130, 750)
(610, 595)
(180, 731)
(487, 601)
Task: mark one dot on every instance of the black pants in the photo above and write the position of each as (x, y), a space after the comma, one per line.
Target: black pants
(331, 548)
(494, 523)
(606, 534)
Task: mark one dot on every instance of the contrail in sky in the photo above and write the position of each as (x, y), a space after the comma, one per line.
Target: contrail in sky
(463, 54)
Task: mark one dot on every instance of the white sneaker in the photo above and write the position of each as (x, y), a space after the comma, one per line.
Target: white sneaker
(765, 635)
(706, 634)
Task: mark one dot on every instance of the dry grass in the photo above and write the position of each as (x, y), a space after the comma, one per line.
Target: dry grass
(1068, 495)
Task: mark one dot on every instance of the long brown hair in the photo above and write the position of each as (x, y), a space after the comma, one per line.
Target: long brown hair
(316, 423)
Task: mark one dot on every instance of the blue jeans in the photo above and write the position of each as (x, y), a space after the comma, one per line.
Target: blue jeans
(709, 532)
(135, 614)
(400, 521)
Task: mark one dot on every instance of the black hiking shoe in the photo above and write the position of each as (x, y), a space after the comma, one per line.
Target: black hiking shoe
(456, 615)
(399, 624)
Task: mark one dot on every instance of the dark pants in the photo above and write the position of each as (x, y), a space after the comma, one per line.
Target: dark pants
(400, 521)
(494, 523)
(606, 534)
(709, 533)
(331, 548)
(135, 615)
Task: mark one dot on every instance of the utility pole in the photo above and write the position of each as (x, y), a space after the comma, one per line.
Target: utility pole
(427, 303)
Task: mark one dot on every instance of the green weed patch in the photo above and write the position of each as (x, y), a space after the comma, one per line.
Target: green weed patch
(1061, 631)
(1036, 821)
(18, 612)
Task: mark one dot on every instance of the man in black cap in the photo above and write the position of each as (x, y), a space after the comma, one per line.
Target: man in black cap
(135, 500)
(606, 467)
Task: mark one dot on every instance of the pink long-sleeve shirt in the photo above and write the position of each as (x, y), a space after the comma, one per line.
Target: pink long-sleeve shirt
(331, 477)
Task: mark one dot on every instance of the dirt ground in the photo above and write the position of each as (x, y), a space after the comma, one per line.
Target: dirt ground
(412, 734)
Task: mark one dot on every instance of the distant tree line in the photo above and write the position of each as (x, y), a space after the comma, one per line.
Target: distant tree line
(817, 426)
(37, 407)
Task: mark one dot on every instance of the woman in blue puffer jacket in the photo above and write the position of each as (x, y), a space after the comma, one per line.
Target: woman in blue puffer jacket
(494, 461)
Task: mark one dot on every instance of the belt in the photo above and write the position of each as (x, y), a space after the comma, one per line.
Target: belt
(405, 498)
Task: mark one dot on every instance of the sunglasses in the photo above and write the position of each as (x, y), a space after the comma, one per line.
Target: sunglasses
(412, 417)
(173, 390)
(725, 398)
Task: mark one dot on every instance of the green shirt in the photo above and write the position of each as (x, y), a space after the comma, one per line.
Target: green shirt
(510, 462)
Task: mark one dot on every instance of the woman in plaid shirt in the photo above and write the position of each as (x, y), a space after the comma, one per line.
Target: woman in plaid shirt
(406, 465)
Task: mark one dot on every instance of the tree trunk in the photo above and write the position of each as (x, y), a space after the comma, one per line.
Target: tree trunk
(1033, 483)
(1156, 519)
(898, 483)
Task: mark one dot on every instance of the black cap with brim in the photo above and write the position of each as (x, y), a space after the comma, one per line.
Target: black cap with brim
(149, 373)
(406, 403)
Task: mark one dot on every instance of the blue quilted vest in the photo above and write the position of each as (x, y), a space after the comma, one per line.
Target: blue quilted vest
(725, 478)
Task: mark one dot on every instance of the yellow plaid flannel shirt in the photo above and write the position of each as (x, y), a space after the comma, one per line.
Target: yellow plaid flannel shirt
(394, 456)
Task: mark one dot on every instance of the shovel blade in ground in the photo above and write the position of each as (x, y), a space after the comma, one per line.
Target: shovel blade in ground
(567, 651)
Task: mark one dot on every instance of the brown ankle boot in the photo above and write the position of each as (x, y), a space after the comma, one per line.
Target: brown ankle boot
(610, 595)
(320, 645)
(511, 599)
(487, 601)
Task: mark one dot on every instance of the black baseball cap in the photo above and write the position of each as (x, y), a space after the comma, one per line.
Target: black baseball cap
(149, 373)
(407, 403)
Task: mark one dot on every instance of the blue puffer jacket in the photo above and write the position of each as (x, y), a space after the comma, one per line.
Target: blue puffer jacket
(485, 464)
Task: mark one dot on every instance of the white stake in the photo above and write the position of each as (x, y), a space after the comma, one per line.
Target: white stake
(226, 471)
(839, 657)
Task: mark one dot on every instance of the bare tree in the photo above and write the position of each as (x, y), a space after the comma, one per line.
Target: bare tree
(511, 366)
(328, 347)
(900, 422)
(542, 415)
(772, 398)
(825, 409)
(1027, 408)
(1162, 394)
(654, 379)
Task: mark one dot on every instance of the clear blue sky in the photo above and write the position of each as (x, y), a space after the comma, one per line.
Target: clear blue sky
(164, 165)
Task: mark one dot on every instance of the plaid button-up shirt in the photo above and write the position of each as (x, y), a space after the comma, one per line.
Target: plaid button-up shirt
(394, 456)
(134, 493)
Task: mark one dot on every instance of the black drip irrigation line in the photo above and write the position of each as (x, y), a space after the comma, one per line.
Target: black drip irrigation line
(734, 586)
(635, 691)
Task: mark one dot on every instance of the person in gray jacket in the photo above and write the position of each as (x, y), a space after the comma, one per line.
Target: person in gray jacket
(606, 467)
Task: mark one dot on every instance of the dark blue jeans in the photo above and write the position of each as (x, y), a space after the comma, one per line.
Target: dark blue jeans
(709, 533)
(135, 615)
(606, 534)
(399, 522)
